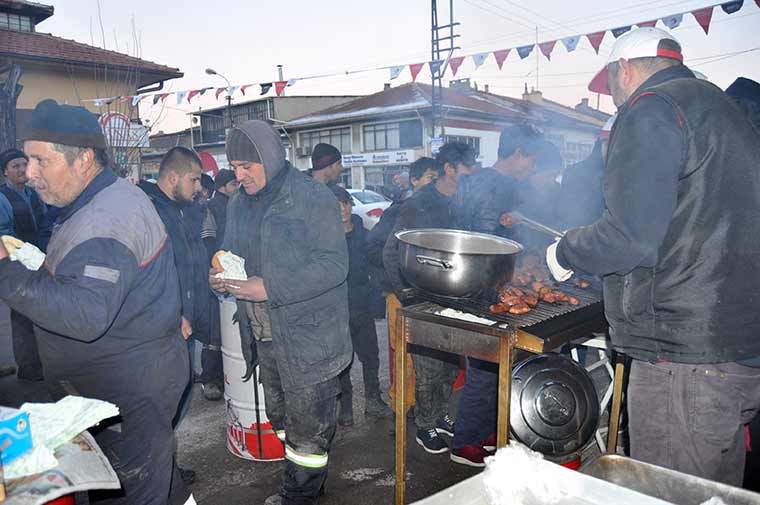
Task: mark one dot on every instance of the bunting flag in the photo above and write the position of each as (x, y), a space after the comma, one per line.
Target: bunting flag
(731, 7)
(455, 63)
(219, 91)
(547, 48)
(265, 87)
(673, 21)
(97, 102)
(524, 51)
(291, 82)
(703, 17)
(156, 98)
(181, 96)
(245, 87)
(279, 87)
(571, 43)
(617, 32)
(757, 2)
(396, 71)
(435, 66)
(203, 90)
(193, 94)
(596, 40)
(136, 99)
(415, 69)
(479, 59)
(232, 90)
(501, 56)
(163, 97)
(123, 99)
(647, 24)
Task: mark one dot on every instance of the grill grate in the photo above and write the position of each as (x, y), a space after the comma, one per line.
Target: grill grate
(543, 313)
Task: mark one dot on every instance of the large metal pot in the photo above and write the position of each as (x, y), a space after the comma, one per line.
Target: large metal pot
(554, 406)
(456, 263)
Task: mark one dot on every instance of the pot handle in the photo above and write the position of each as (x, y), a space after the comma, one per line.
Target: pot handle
(435, 262)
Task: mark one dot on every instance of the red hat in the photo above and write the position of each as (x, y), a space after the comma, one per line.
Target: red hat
(638, 43)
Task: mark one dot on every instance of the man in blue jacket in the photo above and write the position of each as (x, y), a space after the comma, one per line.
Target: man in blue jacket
(288, 229)
(677, 247)
(105, 304)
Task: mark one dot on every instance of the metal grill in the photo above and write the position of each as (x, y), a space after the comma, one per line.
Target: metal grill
(544, 316)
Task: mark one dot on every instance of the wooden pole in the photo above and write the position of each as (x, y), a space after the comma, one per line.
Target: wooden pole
(400, 365)
(505, 389)
(617, 400)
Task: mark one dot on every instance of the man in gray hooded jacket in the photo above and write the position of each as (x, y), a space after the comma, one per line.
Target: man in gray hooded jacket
(288, 229)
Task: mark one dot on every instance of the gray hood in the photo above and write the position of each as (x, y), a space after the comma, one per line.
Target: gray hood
(256, 140)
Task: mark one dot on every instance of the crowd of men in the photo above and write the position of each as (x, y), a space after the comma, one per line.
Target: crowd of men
(665, 211)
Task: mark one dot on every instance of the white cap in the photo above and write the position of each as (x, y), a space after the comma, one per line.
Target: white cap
(607, 128)
(638, 43)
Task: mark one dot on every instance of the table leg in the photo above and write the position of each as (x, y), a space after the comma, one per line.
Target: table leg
(400, 364)
(505, 389)
(617, 399)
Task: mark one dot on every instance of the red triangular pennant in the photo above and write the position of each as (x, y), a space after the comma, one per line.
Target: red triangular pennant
(163, 97)
(547, 48)
(647, 24)
(415, 69)
(596, 40)
(243, 88)
(279, 86)
(703, 17)
(192, 94)
(219, 91)
(457, 62)
(501, 56)
(757, 2)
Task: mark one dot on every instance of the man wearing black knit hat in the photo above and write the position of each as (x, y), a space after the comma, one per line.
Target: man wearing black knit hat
(106, 305)
(326, 164)
(288, 229)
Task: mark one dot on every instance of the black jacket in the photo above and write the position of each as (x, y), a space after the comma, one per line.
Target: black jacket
(427, 208)
(183, 225)
(27, 219)
(359, 287)
(218, 207)
(677, 242)
(580, 200)
(482, 198)
(106, 303)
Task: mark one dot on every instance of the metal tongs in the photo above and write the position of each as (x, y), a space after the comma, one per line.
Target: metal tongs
(535, 225)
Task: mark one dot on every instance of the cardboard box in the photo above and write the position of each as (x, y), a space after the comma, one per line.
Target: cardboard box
(15, 434)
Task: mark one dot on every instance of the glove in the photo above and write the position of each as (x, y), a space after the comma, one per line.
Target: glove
(560, 273)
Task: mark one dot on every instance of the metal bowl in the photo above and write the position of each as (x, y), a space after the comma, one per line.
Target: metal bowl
(456, 263)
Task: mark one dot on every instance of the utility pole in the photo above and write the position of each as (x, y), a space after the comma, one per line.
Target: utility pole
(279, 73)
(442, 47)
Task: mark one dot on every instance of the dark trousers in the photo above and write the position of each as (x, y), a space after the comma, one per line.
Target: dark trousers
(435, 373)
(25, 347)
(139, 443)
(364, 339)
(211, 355)
(691, 418)
(477, 412)
(308, 417)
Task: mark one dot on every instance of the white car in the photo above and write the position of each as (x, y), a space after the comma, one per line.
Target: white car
(369, 206)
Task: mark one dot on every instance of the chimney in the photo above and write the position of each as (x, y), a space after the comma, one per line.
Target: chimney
(460, 84)
(476, 86)
(534, 96)
(485, 88)
(387, 86)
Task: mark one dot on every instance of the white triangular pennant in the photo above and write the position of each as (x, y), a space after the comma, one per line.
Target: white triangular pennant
(396, 71)
(291, 82)
(232, 90)
(98, 103)
(571, 42)
(673, 21)
(479, 59)
(180, 96)
(135, 99)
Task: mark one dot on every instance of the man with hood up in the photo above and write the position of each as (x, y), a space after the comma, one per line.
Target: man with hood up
(287, 227)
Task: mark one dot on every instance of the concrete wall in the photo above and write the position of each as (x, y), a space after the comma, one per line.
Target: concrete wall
(288, 108)
(69, 84)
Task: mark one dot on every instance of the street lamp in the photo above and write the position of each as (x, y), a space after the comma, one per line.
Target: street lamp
(211, 71)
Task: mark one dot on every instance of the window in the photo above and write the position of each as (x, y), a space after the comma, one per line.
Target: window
(368, 197)
(473, 142)
(391, 136)
(338, 137)
(15, 22)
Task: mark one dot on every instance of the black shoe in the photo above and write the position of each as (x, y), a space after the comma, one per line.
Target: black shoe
(374, 406)
(445, 426)
(431, 442)
(188, 476)
(30, 374)
(7, 370)
(212, 392)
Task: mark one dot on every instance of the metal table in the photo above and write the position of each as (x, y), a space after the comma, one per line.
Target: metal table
(420, 325)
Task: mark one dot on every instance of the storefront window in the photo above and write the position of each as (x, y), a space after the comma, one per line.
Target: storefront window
(392, 136)
(338, 137)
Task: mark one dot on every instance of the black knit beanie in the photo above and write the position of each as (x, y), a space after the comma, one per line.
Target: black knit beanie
(223, 177)
(323, 156)
(64, 124)
(10, 154)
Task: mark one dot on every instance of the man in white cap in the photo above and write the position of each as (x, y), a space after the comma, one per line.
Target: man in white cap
(677, 247)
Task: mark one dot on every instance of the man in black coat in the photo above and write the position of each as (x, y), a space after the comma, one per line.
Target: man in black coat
(678, 252)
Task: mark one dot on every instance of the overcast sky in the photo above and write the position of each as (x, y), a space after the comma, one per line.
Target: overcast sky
(246, 40)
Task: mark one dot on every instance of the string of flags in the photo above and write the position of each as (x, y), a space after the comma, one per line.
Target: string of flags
(703, 17)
